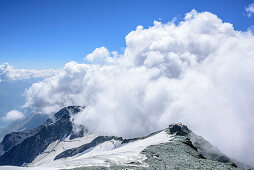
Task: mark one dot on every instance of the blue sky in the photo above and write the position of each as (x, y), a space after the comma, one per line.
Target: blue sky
(49, 33)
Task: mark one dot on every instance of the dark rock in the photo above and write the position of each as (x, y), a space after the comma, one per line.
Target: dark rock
(26, 146)
(15, 138)
(178, 129)
(79, 133)
(189, 143)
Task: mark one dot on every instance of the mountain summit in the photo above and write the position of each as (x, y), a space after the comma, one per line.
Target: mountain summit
(54, 144)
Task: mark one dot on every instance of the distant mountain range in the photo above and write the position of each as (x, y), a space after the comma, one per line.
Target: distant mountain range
(55, 145)
(12, 97)
(32, 121)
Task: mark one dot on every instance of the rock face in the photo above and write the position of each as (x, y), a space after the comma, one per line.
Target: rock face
(15, 138)
(22, 147)
(178, 129)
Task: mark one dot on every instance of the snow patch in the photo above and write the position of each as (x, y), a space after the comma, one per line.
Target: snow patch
(113, 153)
(58, 147)
(25, 168)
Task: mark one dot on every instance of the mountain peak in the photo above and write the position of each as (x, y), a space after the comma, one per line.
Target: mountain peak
(66, 112)
(179, 129)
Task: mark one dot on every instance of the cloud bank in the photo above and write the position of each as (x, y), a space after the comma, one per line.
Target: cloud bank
(198, 71)
(7, 72)
(13, 115)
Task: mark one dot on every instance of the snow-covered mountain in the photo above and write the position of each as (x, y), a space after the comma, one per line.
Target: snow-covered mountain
(55, 145)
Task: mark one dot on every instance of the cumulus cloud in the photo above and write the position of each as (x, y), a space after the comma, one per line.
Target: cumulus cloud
(101, 56)
(8, 72)
(250, 10)
(13, 115)
(198, 71)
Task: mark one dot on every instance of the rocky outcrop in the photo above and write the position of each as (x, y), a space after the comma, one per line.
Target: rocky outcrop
(180, 154)
(198, 143)
(178, 129)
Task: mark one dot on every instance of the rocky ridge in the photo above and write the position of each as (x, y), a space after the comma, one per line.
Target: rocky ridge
(185, 150)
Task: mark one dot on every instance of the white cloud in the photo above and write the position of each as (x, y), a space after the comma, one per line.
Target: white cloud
(101, 56)
(199, 72)
(13, 115)
(7, 72)
(250, 10)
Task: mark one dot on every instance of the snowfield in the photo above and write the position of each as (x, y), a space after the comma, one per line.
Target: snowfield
(111, 152)
(58, 147)
(25, 168)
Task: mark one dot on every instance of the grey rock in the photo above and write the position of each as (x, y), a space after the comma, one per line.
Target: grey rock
(180, 153)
